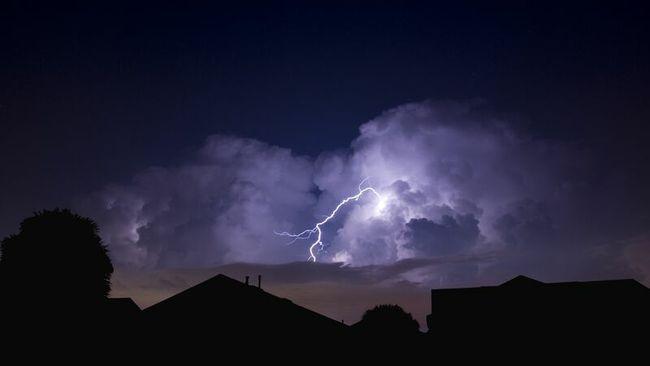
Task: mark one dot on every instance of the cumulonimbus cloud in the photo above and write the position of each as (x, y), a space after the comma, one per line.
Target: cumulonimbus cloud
(455, 182)
(222, 206)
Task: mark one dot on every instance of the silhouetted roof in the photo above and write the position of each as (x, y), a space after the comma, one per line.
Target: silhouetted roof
(528, 303)
(521, 282)
(232, 304)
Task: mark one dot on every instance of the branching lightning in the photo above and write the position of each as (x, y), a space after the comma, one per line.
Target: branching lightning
(317, 228)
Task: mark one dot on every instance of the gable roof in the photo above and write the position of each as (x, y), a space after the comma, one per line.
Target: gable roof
(521, 282)
(234, 304)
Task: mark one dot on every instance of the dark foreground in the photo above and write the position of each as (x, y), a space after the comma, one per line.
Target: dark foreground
(221, 320)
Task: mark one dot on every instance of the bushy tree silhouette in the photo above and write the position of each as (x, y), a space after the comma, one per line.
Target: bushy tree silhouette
(57, 256)
(391, 320)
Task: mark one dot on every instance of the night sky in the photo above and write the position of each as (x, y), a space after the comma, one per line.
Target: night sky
(506, 138)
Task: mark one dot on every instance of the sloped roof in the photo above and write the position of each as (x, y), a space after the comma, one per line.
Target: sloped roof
(522, 282)
(622, 284)
(234, 304)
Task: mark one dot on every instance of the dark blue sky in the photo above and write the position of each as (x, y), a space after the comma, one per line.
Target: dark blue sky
(90, 94)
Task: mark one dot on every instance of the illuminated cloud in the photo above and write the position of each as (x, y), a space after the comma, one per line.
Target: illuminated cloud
(223, 206)
(452, 180)
(450, 177)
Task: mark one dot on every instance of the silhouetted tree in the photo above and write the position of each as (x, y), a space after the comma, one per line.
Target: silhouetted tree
(389, 320)
(57, 256)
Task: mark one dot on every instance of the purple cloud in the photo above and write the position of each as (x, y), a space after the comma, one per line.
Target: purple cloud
(453, 181)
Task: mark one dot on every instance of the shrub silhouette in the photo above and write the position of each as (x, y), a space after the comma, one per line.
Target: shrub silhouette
(386, 319)
(57, 256)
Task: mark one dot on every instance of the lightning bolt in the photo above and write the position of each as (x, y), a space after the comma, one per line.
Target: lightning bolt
(306, 234)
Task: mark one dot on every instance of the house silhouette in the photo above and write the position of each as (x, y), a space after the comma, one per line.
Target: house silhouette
(237, 311)
(526, 308)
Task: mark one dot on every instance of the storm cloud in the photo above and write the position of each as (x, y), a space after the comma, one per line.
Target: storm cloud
(451, 235)
(454, 181)
(223, 206)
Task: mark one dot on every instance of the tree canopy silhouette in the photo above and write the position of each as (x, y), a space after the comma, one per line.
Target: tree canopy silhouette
(56, 254)
(388, 320)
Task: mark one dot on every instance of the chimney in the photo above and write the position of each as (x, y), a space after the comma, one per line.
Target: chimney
(259, 281)
(247, 280)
